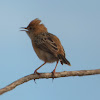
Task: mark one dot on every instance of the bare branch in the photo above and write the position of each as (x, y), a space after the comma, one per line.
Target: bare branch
(48, 75)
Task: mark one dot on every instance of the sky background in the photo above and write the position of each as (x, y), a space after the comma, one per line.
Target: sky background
(76, 23)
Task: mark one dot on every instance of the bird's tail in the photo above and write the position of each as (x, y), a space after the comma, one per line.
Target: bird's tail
(63, 60)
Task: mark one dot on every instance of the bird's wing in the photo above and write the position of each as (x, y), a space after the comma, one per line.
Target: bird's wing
(48, 42)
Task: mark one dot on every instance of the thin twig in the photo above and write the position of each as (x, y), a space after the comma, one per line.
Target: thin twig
(47, 75)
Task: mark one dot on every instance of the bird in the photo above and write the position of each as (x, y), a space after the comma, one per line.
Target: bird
(46, 45)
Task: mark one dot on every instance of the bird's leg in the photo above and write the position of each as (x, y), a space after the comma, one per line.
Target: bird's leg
(53, 72)
(35, 72)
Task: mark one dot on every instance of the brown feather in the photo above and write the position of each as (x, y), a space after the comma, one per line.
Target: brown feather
(63, 60)
(46, 45)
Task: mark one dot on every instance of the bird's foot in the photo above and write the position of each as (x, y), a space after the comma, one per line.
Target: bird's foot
(53, 74)
(35, 72)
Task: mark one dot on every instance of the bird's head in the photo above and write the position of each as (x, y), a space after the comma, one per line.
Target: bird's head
(34, 28)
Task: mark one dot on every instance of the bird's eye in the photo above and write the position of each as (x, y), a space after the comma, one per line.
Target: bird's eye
(30, 28)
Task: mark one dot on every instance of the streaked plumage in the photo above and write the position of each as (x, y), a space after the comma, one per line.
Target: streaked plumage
(46, 45)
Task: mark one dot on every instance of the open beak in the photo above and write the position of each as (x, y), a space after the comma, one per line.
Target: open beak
(24, 29)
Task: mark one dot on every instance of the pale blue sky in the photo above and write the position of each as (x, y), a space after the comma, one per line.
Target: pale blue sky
(76, 23)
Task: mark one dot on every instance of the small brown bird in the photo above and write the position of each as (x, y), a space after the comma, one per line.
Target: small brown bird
(46, 45)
